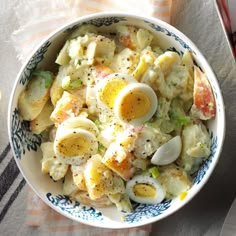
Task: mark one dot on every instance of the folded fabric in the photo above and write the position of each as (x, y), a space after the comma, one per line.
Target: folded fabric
(36, 20)
(40, 215)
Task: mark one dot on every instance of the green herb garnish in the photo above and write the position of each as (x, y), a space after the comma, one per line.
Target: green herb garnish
(154, 172)
(46, 76)
(68, 83)
(178, 119)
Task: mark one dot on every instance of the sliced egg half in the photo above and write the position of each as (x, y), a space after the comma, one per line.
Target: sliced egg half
(135, 104)
(110, 86)
(76, 140)
(74, 146)
(168, 152)
(79, 122)
(145, 189)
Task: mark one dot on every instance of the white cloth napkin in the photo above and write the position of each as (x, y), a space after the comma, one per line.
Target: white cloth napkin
(40, 17)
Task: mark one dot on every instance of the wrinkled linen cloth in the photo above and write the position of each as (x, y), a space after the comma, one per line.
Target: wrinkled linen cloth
(41, 17)
(227, 9)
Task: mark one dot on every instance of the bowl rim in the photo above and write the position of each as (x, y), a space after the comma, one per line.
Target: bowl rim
(200, 58)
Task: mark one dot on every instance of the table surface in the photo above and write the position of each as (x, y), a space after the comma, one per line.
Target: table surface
(205, 214)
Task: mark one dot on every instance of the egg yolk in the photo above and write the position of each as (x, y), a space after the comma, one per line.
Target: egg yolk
(74, 146)
(183, 196)
(110, 90)
(144, 190)
(134, 105)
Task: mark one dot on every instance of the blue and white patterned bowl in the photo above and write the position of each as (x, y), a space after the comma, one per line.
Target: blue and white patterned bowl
(25, 145)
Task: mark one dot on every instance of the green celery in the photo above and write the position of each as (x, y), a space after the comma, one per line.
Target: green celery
(46, 76)
(154, 172)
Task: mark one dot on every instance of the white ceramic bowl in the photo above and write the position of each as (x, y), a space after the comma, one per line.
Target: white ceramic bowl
(25, 145)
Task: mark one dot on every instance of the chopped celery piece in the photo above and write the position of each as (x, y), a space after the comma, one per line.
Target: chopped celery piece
(67, 83)
(101, 148)
(177, 113)
(75, 83)
(179, 120)
(79, 62)
(154, 172)
(97, 122)
(46, 76)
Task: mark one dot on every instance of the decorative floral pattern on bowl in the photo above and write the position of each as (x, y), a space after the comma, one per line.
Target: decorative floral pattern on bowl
(26, 145)
(147, 211)
(199, 175)
(98, 22)
(33, 63)
(22, 138)
(171, 34)
(75, 209)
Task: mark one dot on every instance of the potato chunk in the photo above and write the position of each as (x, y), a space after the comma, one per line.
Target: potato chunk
(100, 180)
(63, 57)
(133, 38)
(167, 61)
(174, 179)
(69, 186)
(32, 100)
(83, 197)
(125, 61)
(50, 164)
(42, 121)
(121, 201)
(119, 160)
(196, 147)
(204, 106)
(78, 177)
(67, 106)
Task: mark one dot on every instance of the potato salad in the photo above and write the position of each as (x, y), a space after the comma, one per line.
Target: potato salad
(122, 119)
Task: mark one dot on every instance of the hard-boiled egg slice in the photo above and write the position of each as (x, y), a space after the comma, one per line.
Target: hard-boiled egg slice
(110, 86)
(73, 146)
(145, 189)
(135, 104)
(168, 152)
(79, 122)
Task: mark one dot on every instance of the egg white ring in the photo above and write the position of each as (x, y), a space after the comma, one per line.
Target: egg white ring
(145, 179)
(69, 133)
(168, 152)
(121, 76)
(147, 90)
(79, 122)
